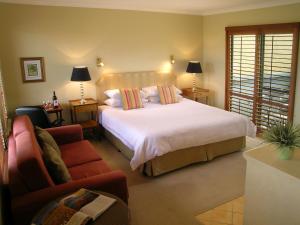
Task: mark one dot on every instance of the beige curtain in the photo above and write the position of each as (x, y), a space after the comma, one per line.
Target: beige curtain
(3, 116)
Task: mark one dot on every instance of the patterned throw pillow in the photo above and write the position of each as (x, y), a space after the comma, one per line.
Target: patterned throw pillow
(167, 94)
(131, 98)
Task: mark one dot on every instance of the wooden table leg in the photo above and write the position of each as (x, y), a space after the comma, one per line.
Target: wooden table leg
(71, 113)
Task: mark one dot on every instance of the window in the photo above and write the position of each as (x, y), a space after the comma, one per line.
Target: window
(261, 64)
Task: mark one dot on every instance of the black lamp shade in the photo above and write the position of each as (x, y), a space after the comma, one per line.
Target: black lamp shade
(194, 67)
(80, 74)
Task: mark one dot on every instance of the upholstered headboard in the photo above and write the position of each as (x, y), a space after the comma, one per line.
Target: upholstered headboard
(131, 80)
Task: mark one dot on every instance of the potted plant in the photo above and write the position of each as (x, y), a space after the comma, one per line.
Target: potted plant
(286, 137)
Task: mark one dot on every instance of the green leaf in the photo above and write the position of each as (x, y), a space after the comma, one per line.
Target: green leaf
(283, 135)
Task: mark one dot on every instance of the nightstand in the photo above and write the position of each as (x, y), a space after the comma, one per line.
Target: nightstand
(199, 95)
(58, 112)
(90, 106)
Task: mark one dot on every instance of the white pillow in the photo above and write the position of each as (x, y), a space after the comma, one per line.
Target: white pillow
(156, 99)
(178, 91)
(143, 94)
(152, 91)
(114, 102)
(115, 93)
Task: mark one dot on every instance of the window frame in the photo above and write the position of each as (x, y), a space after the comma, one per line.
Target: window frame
(259, 30)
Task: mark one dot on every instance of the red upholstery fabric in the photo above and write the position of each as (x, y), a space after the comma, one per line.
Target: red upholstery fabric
(66, 134)
(30, 184)
(89, 169)
(28, 156)
(16, 184)
(77, 153)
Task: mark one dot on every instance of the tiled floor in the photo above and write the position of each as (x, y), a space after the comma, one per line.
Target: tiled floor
(230, 213)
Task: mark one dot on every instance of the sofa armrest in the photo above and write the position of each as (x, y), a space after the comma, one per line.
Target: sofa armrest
(66, 134)
(26, 206)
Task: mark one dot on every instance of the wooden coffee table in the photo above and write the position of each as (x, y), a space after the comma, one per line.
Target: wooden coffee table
(117, 214)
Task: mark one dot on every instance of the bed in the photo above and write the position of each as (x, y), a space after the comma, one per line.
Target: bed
(161, 138)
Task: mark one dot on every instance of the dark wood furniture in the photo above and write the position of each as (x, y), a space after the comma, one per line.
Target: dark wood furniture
(58, 112)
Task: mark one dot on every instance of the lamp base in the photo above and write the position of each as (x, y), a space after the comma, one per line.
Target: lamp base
(82, 101)
(194, 84)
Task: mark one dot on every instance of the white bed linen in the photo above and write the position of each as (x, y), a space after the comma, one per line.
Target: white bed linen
(158, 129)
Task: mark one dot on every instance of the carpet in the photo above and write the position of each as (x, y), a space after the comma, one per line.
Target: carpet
(178, 197)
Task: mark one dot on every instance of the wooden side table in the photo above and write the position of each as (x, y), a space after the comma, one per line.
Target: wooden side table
(199, 95)
(58, 112)
(91, 106)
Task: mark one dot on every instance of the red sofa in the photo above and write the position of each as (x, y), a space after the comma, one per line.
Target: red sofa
(30, 184)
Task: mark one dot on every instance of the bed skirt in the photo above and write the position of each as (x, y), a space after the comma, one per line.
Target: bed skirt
(182, 157)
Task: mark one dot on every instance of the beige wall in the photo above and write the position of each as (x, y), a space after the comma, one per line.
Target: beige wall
(214, 44)
(127, 41)
(65, 36)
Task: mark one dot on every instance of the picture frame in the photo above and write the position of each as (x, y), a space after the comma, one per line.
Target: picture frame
(33, 69)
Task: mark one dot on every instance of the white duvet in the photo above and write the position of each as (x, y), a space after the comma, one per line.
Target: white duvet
(158, 129)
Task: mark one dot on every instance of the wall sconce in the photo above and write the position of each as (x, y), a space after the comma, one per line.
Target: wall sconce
(172, 59)
(99, 62)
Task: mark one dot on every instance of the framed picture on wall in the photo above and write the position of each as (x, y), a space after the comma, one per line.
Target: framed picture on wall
(33, 69)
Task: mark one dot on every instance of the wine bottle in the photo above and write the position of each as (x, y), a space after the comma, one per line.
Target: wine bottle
(54, 100)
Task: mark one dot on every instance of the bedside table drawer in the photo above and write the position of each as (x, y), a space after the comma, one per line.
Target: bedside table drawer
(188, 97)
(86, 108)
(201, 94)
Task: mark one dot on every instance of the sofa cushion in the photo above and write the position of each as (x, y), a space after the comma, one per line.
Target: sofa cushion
(89, 169)
(22, 124)
(44, 137)
(17, 185)
(31, 167)
(77, 153)
(55, 165)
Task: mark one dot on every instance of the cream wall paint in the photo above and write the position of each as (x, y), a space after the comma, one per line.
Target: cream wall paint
(65, 36)
(214, 45)
(127, 41)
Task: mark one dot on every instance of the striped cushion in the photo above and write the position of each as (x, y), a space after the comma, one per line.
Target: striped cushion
(167, 94)
(131, 98)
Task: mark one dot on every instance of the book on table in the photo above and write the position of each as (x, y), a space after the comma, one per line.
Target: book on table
(95, 208)
(76, 209)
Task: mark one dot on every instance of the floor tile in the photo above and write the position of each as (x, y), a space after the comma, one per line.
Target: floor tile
(221, 216)
(205, 216)
(230, 213)
(238, 205)
(227, 207)
(238, 219)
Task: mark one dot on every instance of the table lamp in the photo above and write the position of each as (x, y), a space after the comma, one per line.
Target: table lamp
(194, 67)
(81, 73)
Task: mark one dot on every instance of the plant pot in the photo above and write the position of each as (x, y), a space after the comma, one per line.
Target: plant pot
(285, 153)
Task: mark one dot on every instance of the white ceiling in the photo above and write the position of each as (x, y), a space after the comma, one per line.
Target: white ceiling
(196, 7)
